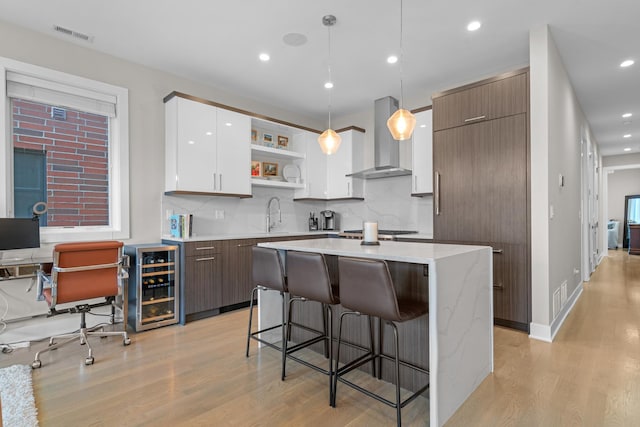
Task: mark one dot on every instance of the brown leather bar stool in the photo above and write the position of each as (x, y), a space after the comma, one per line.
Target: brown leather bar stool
(308, 280)
(268, 275)
(366, 288)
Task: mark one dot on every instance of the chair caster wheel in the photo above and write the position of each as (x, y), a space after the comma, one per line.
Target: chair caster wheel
(36, 364)
(126, 341)
(88, 361)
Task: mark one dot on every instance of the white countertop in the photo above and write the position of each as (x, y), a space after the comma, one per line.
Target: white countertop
(412, 252)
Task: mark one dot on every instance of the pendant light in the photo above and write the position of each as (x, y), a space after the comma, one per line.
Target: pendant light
(329, 140)
(402, 122)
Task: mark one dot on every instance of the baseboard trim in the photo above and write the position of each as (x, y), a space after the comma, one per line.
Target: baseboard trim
(548, 332)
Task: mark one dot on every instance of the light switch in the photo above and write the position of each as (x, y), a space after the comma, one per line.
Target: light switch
(551, 212)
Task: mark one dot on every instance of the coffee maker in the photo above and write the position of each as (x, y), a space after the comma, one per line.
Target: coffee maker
(328, 220)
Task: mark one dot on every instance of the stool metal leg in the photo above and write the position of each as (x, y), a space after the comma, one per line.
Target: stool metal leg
(253, 297)
(397, 366)
(284, 335)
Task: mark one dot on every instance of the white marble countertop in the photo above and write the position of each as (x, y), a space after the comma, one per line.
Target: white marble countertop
(412, 252)
(231, 236)
(420, 236)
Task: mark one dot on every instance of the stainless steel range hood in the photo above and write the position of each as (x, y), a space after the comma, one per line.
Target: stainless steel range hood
(386, 153)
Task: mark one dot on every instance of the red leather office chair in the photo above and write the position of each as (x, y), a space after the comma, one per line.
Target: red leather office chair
(80, 272)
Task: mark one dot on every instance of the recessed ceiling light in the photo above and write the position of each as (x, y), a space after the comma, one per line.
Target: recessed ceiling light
(627, 136)
(626, 115)
(627, 63)
(423, 126)
(208, 133)
(264, 57)
(474, 25)
(228, 124)
(328, 85)
(191, 142)
(392, 59)
(627, 149)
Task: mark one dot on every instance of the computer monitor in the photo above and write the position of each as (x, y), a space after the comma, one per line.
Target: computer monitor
(19, 233)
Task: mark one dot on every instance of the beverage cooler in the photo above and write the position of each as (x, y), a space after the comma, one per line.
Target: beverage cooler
(153, 286)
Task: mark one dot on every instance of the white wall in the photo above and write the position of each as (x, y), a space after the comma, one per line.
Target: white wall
(557, 127)
(621, 183)
(147, 87)
(618, 169)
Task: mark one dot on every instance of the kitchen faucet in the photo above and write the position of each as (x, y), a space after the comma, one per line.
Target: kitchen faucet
(270, 225)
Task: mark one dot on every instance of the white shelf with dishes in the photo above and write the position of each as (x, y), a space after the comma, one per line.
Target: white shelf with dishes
(274, 160)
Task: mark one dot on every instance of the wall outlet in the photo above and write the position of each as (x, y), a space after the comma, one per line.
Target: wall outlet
(563, 293)
(219, 214)
(556, 303)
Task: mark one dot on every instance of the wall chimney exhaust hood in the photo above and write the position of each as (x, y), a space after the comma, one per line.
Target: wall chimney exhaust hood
(386, 153)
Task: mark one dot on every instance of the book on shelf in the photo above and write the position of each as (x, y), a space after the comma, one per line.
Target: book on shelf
(181, 225)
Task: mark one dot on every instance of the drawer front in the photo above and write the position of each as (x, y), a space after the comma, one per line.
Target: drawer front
(488, 101)
(206, 247)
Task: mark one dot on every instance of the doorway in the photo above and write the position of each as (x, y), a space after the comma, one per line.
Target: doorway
(631, 215)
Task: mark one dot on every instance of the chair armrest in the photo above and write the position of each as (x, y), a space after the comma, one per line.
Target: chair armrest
(44, 282)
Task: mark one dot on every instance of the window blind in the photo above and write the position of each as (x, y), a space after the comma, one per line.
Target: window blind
(49, 92)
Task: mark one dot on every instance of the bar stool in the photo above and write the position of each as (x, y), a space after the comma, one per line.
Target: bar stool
(268, 275)
(308, 280)
(366, 288)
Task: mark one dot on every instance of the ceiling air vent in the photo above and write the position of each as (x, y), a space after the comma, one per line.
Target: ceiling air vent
(72, 33)
(58, 113)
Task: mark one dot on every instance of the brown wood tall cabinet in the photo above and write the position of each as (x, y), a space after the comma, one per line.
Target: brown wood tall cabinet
(482, 175)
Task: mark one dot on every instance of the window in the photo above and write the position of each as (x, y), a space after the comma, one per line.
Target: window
(65, 143)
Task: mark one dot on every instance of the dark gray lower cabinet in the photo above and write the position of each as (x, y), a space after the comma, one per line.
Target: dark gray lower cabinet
(203, 276)
(236, 272)
(217, 274)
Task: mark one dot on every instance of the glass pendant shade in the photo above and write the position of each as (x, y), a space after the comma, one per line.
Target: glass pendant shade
(329, 141)
(401, 124)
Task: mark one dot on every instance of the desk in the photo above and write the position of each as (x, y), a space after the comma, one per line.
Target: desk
(460, 325)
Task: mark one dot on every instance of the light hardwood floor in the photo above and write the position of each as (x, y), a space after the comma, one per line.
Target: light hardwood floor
(197, 375)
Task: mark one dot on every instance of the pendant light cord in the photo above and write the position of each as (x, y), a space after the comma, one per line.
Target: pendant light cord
(329, 69)
(401, 61)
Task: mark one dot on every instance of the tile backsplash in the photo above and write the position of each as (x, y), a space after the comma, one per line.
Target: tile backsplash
(387, 201)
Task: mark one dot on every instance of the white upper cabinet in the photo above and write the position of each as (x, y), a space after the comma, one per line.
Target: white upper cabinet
(206, 148)
(422, 155)
(346, 160)
(234, 152)
(314, 169)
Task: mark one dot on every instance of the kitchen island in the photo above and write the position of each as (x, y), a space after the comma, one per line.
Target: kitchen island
(460, 321)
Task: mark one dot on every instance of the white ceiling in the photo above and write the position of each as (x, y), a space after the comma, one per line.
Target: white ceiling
(218, 43)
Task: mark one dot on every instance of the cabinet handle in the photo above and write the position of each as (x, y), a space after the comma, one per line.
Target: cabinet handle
(473, 119)
(204, 248)
(215, 182)
(211, 258)
(498, 286)
(437, 193)
(348, 189)
(497, 251)
(415, 183)
(220, 183)
(245, 245)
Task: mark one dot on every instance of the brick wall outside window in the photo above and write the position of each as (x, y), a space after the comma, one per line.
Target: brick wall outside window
(76, 159)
